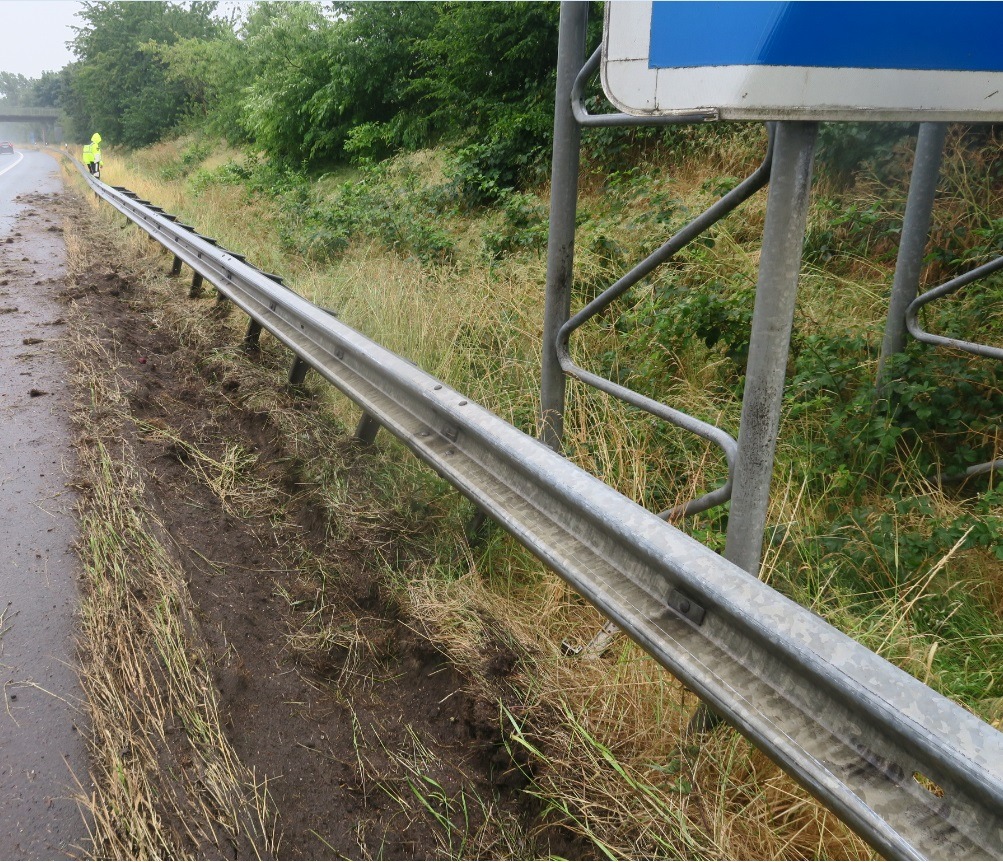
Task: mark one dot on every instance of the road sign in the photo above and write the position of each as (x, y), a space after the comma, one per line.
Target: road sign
(819, 60)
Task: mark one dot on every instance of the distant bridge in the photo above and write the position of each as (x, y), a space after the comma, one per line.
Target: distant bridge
(17, 114)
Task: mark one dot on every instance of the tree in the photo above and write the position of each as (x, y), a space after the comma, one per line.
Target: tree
(286, 49)
(119, 84)
(12, 86)
(371, 94)
(47, 91)
(214, 74)
(488, 74)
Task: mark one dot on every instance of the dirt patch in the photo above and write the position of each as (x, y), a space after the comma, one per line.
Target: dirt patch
(372, 745)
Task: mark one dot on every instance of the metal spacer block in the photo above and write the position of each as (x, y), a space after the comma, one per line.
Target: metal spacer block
(685, 606)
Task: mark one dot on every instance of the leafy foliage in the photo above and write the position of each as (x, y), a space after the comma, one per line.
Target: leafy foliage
(844, 147)
(120, 85)
(388, 206)
(12, 87)
(311, 85)
(490, 77)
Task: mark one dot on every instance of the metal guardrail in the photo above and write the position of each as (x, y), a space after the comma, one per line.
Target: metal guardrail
(860, 734)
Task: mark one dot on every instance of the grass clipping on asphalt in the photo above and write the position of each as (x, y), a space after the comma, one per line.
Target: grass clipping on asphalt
(166, 782)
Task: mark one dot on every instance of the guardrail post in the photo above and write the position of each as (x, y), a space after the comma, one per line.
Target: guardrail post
(772, 321)
(915, 230)
(176, 267)
(195, 290)
(297, 371)
(252, 336)
(366, 430)
(563, 208)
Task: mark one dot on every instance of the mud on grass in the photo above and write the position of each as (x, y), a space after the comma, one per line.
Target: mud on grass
(256, 688)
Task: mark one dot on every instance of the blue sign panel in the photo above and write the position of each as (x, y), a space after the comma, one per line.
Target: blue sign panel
(806, 59)
(837, 33)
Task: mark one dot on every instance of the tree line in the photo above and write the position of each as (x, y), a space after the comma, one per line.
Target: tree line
(311, 84)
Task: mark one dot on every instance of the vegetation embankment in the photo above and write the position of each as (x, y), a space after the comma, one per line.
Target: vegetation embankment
(860, 530)
(390, 160)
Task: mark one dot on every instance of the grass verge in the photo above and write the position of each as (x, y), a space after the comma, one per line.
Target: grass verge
(863, 539)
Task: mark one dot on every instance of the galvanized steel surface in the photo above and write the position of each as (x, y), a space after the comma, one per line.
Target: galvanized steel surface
(561, 232)
(663, 254)
(769, 343)
(949, 287)
(584, 118)
(915, 231)
(852, 728)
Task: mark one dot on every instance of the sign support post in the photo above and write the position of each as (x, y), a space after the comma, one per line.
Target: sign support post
(772, 321)
(563, 210)
(915, 230)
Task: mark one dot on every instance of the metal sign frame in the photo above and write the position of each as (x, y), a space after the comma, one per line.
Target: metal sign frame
(790, 183)
(641, 38)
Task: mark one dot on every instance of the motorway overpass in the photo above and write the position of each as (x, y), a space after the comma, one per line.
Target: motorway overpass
(17, 114)
(44, 120)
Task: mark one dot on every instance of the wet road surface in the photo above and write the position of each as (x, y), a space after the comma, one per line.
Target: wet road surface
(41, 744)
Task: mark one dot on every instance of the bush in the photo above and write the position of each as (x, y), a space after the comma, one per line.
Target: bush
(189, 159)
(391, 209)
(230, 173)
(524, 226)
(844, 148)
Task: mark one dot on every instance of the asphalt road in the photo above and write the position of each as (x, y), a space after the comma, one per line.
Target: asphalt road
(41, 743)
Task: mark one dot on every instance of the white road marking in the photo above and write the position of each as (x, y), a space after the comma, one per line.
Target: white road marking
(11, 167)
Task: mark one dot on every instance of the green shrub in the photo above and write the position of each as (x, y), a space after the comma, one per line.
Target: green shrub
(524, 226)
(394, 210)
(230, 173)
(844, 148)
(189, 159)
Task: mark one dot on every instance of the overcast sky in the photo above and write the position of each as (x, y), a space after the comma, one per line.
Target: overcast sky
(34, 33)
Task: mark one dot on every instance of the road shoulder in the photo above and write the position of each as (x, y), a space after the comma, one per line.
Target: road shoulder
(42, 750)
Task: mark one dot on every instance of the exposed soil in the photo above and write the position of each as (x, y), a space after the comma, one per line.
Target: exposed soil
(374, 747)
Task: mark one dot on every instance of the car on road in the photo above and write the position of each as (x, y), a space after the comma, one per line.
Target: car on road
(6, 147)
